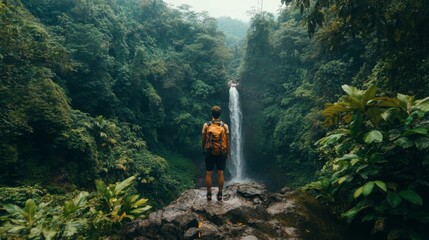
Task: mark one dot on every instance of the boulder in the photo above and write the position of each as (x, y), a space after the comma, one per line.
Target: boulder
(248, 211)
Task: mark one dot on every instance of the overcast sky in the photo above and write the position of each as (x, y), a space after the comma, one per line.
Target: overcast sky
(232, 8)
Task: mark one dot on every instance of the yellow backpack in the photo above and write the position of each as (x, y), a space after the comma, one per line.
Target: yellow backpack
(216, 139)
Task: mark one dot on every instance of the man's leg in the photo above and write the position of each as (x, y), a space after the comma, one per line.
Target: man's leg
(220, 165)
(220, 180)
(209, 181)
(209, 173)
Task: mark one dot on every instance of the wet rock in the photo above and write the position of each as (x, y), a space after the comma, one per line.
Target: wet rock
(249, 238)
(285, 190)
(280, 207)
(205, 231)
(251, 190)
(247, 212)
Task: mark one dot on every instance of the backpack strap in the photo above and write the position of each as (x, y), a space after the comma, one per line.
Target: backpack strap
(220, 123)
(210, 137)
(221, 136)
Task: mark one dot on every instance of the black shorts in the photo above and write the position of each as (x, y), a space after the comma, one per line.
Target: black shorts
(211, 161)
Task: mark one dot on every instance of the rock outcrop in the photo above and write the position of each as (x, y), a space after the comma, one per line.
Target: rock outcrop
(247, 212)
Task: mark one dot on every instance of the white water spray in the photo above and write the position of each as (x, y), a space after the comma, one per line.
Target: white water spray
(236, 163)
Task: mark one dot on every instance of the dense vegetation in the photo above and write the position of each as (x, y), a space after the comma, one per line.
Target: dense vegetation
(105, 90)
(103, 101)
(379, 154)
(96, 89)
(372, 165)
(85, 216)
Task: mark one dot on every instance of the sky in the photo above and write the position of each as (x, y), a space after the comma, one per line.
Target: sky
(237, 9)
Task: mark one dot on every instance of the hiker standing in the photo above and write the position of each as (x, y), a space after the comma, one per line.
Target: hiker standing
(215, 144)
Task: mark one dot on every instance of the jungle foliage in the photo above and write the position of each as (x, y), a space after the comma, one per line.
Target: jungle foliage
(94, 91)
(288, 76)
(378, 164)
(374, 156)
(84, 216)
(100, 90)
(112, 90)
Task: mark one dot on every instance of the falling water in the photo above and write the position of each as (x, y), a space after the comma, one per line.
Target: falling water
(236, 163)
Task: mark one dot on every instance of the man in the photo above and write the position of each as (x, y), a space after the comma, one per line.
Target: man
(215, 144)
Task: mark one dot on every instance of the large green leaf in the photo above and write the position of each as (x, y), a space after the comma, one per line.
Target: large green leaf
(30, 210)
(406, 102)
(424, 107)
(394, 199)
(16, 229)
(354, 161)
(369, 93)
(351, 91)
(373, 136)
(132, 199)
(362, 168)
(367, 188)
(357, 98)
(336, 108)
(333, 111)
(81, 199)
(140, 202)
(404, 142)
(331, 139)
(77, 203)
(351, 213)
(384, 102)
(342, 179)
(13, 209)
(358, 192)
(422, 104)
(140, 210)
(411, 196)
(421, 131)
(390, 113)
(354, 103)
(381, 185)
(102, 189)
(124, 184)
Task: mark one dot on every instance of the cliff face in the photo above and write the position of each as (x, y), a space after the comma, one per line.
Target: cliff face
(247, 212)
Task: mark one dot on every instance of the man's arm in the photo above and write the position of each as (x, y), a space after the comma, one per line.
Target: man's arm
(227, 141)
(227, 145)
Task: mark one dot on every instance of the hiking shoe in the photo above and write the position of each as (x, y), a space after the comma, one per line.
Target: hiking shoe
(209, 196)
(219, 196)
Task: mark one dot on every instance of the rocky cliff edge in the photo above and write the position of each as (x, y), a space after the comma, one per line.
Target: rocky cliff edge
(247, 212)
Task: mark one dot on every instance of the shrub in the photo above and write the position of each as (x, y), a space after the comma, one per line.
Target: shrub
(377, 161)
(101, 213)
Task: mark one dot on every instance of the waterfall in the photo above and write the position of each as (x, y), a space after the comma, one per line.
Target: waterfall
(236, 163)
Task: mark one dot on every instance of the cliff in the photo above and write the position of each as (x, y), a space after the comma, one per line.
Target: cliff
(247, 212)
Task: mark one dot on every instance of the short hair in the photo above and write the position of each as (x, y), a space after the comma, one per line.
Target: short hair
(216, 110)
